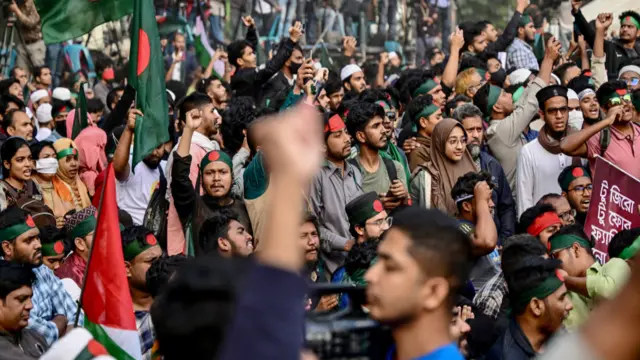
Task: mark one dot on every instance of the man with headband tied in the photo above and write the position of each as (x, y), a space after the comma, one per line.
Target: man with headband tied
(540, 221)
(80, 227)
(585, 278)
(53, 308)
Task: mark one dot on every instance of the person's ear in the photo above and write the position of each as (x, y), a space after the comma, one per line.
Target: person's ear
(434, 292)
(224, 245)
(564, 194)
(467, 207)
(359, 229)
(347, 85)
(575, 248)
(537, 307)
(240, 62)
(80, 244)
(497, 108)
(6, 164)
(127, 266)
(541, 113)
(11, 130)
(360, 137)
(7, 249)
(424, 122)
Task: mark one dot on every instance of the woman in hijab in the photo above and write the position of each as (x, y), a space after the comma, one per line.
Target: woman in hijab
(449, 160)
(44, 156)
(17, 168)
(66, 182)
(91, 143)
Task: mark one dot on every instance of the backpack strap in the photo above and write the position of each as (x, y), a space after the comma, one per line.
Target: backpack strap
(605, 140)
(9, 189)
(391, 169)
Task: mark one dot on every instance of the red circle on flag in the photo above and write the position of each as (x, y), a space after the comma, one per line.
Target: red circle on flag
(621, 92)
(30, 221)
(214, 155)
(95, 348)
(58, 247)
(559, 275)
(577, 172)
(377, 206)
(487, 76)
(144, 51)
(151, 239)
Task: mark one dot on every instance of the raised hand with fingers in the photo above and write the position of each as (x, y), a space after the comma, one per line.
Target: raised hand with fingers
(194, 119)
(295, 32)
(456, 40)
(248, 21)
(131, 118)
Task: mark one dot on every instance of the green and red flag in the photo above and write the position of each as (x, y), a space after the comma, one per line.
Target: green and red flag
(146, 75)
(67, 19)
(204, 51)
(80, 116)
(106, 301)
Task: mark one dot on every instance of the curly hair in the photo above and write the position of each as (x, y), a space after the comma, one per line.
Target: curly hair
(360, 115)
(235, 120)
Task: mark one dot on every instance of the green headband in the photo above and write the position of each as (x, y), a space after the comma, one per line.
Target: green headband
(136, 247)
(517, 94)
(525, 20)
(215, 155)
(365, 212)
(66, 152)
(562, 242)
(633, 21)
(619, 93)
(384, 105)
(427, 111)
(492, 99)
(569, 176)
(425, 88)
(84, 228)
(53, 249)
(13, 231)
(630, 250)
(546, 288)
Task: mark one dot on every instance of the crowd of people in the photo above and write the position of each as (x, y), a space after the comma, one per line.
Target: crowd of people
(456, 190)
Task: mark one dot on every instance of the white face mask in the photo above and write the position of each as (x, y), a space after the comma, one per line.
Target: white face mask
(576, 119)
(47, 166)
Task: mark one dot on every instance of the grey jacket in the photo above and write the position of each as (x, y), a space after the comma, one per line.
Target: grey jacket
(26, 346)
(330, 193)
(505, 138)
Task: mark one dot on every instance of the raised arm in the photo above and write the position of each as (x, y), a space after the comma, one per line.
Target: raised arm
(277, 62)
(121, 155)
(510, 32)
(184, 195)
(576, 144)
(451, 70)
(486, 235)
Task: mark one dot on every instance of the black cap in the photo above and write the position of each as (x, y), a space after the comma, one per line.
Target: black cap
(549, 92)
(363, 208)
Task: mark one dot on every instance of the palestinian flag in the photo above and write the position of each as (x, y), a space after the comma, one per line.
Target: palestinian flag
(146, 70)
(106, 301)
(81, 117)
(169, 24)
(67, 19)
(204, 52)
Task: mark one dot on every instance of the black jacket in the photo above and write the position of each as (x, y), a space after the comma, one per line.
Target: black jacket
(505, 213)
(512, 345)
(277, 87)
(509, 33)
(249, 82)
(616, 53)
(28, 344)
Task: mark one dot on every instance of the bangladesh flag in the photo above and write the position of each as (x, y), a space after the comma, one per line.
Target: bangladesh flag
(106, 300)
(80, 117)
(146, 75)
(67, 19)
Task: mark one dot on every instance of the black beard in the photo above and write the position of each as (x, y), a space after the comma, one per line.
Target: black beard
(151, 164)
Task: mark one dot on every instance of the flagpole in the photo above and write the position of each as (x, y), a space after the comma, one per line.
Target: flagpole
(86, 270)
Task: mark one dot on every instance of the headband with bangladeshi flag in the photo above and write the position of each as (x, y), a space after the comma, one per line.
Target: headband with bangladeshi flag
(66, 152)
(334, 123)
(544, 289)
(215, 155)
(542, 222)
(633, 20)
(11, 232)
(565, 241)
(427, 86)
(136, 247)
(615, 94)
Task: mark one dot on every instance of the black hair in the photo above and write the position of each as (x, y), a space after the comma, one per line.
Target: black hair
(466, 184)
(161, 271)
(481, 99)
(136, 233)
(14, 276)
(9, 149)
(530, 215)
(622, 240)
(416, 106)
(374, 95)
(196, 307)
(204, 84)
(333, 84)
(12, 73)
(37, 71)
(7, 120)
(310, 217)
(178, 89)
(471, 61)
(360, 115)
(437, 244)
(236, 50)
(239, 114)
(217, 226)
(7, 99)
(194, 101)
(360, 256)
(516, 247)
(631, 13)
(37, 147)
(6, 84)
(10, 216)
(49, 234)
(605, 90)
(111, 96)
(529, 273)
(451, 105)
(415, 78)
(561, 70)
(58, 105)
(470, 33)
(576, 230)
(580, 83)
(94, 105)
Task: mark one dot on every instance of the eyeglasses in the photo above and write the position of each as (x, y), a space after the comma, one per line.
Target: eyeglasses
(562, 110)
(388, 222)
(632, 81)
(568, 216)
(582, 188)
(453, 141)
(391, 115)
(615, 101)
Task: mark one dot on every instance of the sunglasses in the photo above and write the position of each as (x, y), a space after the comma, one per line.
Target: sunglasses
(632, 82)
(615, 101)
(391, 115)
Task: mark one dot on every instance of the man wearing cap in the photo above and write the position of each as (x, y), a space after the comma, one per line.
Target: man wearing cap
(509, 122)
(46, 124)
(367, 217)
(540, 221)
(620, 142)
(38, 98)
(353, 79)
(584, 86)
(80, 227)
(630, 74)
(53, 308)
(541, 161)
(576, 186)
(539, 303)
(520, 53)
(587, 280)
(337, 183)
(17, 342)
(425, 115)
(140, 249)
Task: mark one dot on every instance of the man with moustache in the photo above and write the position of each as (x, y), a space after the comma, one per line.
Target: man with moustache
(53, 310)
(505, 211)
(576, 185)
(541, 161)
(337, 183)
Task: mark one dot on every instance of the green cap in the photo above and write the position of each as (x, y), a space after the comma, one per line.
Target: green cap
(363, 208)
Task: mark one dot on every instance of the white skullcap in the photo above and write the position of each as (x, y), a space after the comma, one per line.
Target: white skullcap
(38, 95)
(632, 68)
(556, 78)
(393, 54)
(519, 76)
(43, 114)
(349, 70)
(171, 95)
(572, 95)
(62, 94)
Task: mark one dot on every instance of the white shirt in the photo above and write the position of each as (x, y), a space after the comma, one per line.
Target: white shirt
(177, 71)
(43, 133)
(537, 174)
(135, 193)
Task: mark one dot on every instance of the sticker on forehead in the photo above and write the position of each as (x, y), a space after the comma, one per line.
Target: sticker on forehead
(214, 155)
(151, 239)
(577, 172)
(377, 206)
